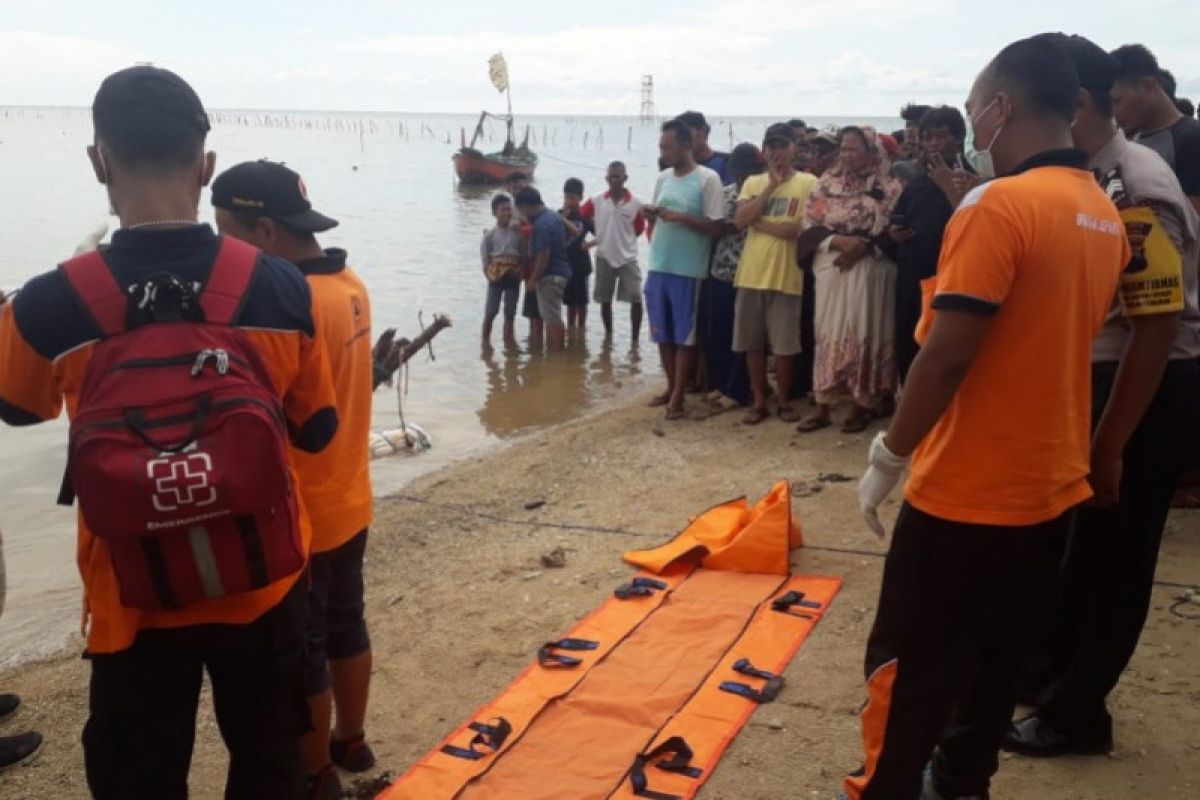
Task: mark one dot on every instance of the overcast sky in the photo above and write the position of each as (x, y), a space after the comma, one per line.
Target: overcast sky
(770, 57)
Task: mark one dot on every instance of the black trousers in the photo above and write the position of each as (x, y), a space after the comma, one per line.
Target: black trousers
(802, 382)
(1108, 571)
(726, 369)
(955, 605)
(142, 723)
(337, 625)
(908, 314)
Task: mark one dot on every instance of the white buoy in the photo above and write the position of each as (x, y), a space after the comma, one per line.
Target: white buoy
(409, 440)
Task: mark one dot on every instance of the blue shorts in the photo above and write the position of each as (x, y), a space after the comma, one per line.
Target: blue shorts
(503, 291)
(671, 304)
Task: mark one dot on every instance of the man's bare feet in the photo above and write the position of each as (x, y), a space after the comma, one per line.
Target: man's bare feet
(788, 414)
(813, 424)
(660, 400)
(754, 416)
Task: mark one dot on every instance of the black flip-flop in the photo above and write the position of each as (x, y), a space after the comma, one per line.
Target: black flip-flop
(813, 424)
(856, 424)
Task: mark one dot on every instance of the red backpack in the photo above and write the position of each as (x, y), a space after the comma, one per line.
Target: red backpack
(178, 448)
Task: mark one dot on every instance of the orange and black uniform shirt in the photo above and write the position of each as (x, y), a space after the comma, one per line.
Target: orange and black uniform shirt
(336, 483)
(46, 341)
(1042, 251)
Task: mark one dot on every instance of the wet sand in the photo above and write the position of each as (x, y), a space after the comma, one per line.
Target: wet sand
(459, 601)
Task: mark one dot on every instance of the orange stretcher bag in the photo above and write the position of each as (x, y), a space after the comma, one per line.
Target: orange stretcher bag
(642, 697)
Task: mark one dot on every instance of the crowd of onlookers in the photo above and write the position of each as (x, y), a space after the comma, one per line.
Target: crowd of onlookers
(801, 257)
(863, 221)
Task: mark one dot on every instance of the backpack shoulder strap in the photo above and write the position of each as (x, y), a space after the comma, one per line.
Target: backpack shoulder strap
(94, 284)
(229, 281)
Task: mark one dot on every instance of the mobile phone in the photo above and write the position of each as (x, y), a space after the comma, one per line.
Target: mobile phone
(898, 219)
(958, 161)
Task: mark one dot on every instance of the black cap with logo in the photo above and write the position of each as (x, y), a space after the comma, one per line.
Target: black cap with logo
(269, 189)
(153, 90)
(779, 133)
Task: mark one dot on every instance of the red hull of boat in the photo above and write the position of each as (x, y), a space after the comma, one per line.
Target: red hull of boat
(474, 169)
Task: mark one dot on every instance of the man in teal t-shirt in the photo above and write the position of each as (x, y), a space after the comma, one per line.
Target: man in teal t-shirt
(688, 209)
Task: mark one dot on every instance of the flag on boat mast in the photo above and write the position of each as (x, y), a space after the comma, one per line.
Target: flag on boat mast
(498, 72)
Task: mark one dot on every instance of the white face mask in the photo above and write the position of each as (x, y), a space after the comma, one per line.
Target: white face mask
(981, 158)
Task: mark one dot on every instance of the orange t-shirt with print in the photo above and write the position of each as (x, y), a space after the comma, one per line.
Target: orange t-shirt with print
(336, 482)
(1042, 251)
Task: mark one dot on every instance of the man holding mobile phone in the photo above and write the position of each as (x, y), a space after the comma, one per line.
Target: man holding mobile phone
(918, 221)
(769, 286)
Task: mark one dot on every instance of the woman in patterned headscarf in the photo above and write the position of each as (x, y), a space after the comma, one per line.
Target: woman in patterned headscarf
(846, 218)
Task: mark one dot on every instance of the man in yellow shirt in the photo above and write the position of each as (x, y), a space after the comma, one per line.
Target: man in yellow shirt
(769, 283)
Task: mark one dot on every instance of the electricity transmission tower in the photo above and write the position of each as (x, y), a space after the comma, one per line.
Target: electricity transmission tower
(647, 113)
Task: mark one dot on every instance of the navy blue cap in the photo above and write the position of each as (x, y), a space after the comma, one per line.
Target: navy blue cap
(150, 89)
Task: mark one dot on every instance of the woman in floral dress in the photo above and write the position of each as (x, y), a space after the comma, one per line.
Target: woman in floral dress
(846, 217)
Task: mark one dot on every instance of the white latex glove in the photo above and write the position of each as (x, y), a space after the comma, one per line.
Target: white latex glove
(884, 471)
(92, 240)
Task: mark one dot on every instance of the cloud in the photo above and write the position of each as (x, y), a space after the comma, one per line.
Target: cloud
(31, 61)
(769, 57)
(750, 57)
(843, 20)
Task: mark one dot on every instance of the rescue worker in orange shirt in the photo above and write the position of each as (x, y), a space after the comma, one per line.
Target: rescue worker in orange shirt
(147, 665)
(995, 420)
(266, 204)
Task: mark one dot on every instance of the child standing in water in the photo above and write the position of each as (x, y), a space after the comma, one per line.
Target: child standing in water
(500, 252)
(576, 295)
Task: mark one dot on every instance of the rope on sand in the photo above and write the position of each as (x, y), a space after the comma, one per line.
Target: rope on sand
(510, 521)
(528, 523)
(590, 528)
(572, 163)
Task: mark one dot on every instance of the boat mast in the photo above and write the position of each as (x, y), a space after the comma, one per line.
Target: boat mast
(478, 129)
(508, 94)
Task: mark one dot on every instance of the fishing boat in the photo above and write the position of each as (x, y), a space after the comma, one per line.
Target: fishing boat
(474, 167)
(514, 161)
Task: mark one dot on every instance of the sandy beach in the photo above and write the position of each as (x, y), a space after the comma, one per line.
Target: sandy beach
(459, 600)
